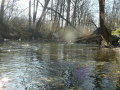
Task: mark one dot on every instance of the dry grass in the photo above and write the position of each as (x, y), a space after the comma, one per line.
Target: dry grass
(84, 32)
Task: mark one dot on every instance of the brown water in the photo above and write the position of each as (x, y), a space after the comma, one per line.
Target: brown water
(56, 66)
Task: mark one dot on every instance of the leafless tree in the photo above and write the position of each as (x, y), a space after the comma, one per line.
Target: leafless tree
(105, 32)
(35, 9)
(29, 14)
(2, 10)
(39, 22)
(68, 11)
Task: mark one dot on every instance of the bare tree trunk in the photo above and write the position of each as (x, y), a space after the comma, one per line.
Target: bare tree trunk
(51, 10)
(105, 32)
(63, 11)
(11, 10)
(35, 9)
(2, 10)
(56, 15)
(102, 13)
(68, 11)
(81, 12)
(3, 26)
(103, 28)
(29, 14)
(38, 25)
(62, 17)
(74, 12)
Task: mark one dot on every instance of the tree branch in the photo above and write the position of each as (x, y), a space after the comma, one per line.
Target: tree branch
(49, 8)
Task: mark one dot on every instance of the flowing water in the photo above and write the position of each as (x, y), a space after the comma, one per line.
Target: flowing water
(58, 66)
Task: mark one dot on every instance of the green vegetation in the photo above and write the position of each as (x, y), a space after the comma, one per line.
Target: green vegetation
(116, 32)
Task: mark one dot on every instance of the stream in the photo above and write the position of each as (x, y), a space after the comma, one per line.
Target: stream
(36, 65)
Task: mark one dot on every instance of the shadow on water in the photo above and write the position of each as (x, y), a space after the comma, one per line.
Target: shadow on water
(52, 66)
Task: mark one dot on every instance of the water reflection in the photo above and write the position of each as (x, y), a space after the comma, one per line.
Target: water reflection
(51, 66)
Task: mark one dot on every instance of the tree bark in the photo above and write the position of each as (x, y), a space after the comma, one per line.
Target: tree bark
(2, 11)
(29, 14)
(61, 16)
(38, 25)
(68, 12)
(105, 34)
(56, 15)
(35, 9)
(74, 12)
(104, 31)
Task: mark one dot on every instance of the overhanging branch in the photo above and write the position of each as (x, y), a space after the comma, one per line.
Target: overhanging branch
(62, 17)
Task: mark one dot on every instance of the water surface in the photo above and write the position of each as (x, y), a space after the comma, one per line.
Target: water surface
(59, 66)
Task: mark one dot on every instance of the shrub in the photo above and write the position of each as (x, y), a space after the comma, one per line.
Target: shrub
(116, 32)
(18, 27)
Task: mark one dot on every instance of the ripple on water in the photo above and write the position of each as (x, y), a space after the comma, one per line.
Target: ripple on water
(51, 66)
